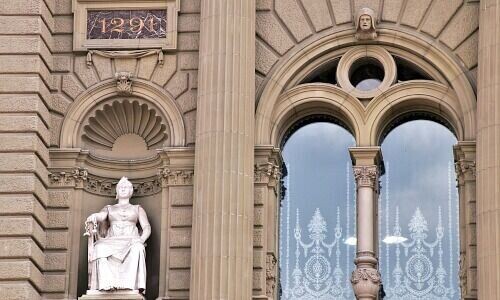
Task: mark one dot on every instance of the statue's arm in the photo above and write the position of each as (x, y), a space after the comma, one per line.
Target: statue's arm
(98, 217)
(146, 228)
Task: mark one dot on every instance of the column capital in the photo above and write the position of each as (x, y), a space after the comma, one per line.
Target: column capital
(367, 156)
(366, 176)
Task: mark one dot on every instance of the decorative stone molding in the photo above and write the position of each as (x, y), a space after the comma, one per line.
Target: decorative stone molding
(463, 272)
(171, 177)
(267, 173)
(124, 83)
(107, 187)
(364, 274)
(74, 178)
(366, 283)
(366, 176)
(270, 274)
(125, 54)
(466, 168)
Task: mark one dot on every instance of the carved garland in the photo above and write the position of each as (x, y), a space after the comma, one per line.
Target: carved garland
(365, 274)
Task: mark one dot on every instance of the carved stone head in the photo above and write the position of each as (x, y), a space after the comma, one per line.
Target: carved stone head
(124, 189)
(365, 22)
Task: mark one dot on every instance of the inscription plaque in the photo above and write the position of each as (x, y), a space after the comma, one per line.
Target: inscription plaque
(126, 24)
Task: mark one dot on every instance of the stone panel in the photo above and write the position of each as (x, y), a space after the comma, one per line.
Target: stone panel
(341, 11)
(54, 282)
(57, 219)
(71, 87)
(146, 67)
(439, 14)
(24, 104)
(188, 60)
(125, 65)
(24, 123)
(187, 101)
(59, 199)
(291, 14)
(270, 30)
(188, 23)
(188, 41)
(181, 195)
(414, 12)
(467, 51)
(178, 84)
(178, 280)
(18, 290)
(21, 269)
(23, 162)
(23, 205)
(21, 142)
(10, 183)
(465, 22)
(190, 6)
(31, 64)
(55, 261)
(22, 247)
(164, 72)
(181, 216)
(55, 129)
(391, 10)
(180, 237)
(190, 122)
(57, 239)
(180, 258)
(264, 58)
(87, 75)
(318, 13)
(22, 226)
(103, 66)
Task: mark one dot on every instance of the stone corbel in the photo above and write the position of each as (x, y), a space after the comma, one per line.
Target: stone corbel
(124, 83)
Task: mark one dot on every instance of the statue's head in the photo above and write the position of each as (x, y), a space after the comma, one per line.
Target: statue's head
(365, 21)
(124, 189)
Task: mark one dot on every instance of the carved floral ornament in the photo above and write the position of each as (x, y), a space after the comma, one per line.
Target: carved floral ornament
(107, 187)
(365, 274)
(465, 167)
(270, 274)
(124, 83)
(170, 176)
(267, 173)
(72, 178)
(366, 176)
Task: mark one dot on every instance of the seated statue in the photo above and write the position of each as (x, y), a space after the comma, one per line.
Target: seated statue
(117, 258)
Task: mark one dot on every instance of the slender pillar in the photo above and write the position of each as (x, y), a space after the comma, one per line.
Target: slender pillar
(221, 258)
(488, 151)
(365, 278)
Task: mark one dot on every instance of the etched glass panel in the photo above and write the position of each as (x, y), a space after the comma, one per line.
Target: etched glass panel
(317, 216)
(418, 214)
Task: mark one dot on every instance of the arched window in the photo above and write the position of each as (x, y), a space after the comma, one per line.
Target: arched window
(317, 217)
(418, 213)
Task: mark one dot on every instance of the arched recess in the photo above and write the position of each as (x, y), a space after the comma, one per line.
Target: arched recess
(432, 58)
(315, 99)
(163, 103)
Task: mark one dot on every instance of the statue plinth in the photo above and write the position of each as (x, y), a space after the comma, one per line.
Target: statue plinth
(112, 295)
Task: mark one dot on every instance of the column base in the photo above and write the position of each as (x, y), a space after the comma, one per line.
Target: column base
(112, 295)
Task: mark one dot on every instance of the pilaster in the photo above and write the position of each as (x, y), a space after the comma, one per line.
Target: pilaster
(488, 154)
(367, 167)
(223, 208)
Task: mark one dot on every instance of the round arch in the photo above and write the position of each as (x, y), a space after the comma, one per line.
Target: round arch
(158, 98)
(434, 59)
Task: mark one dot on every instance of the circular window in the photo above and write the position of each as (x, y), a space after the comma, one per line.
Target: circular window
(366, 71)
(366, 74)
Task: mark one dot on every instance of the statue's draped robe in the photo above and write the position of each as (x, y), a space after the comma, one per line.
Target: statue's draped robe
(118, 260)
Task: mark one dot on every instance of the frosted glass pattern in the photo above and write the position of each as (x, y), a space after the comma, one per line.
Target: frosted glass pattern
(418, 214)
(317, 216)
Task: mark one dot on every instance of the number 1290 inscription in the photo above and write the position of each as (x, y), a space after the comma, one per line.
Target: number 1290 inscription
(126, 24)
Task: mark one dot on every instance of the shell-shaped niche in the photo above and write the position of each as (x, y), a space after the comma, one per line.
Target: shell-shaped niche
(122, 119)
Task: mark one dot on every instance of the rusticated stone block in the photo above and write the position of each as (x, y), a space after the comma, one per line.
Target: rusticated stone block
(30, 64)
(146, 67)
(188, 41)
(178, 84)
(59, 198)
(258, 237)
(439, 15)
(164, 72)
(188, 60)
(29, 142)
(178, 280)
(24, 162)
(468, 51)
(71, 87)
(270, 30)
(25, 123)
(21, 269)
(318, 13)
(63, 24)
(180, 258)
(181, 216)
(55, 261)
(23, 184)
(63, 43)
(22, 226)
(181, 195)
(414, 12)
(391, 10)
(24, 103)
(461, 26)
(263, 5)
(189, 23)
(180, 237)
(259, 258)
(86, 74)
(103, 67)
(341, 11)
(57, 219)
(258, 216)
(187, 101)
(264, 58)
(62, 7)
(26, 45)
(291, 14)
(193, 79)
(190, 6)
(57, 239)
(190, 122)
(16, 204)
(62, 63)
(20, 290)
(55, 129)
(22, 247)
(54, 282)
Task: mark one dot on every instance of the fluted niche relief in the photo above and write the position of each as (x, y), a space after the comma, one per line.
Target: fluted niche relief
(125, 129)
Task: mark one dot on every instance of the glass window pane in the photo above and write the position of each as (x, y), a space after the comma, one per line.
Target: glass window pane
(317, 216)
(418, 213)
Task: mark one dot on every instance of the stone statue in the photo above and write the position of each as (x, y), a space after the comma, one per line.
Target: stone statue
(365, 21)
(116, 253)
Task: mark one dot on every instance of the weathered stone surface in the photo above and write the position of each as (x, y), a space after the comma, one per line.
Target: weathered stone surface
(24, 142)
(62, 7)
(467, 51)
(291, 14)
(21, 269)
(60, 103)
(258, 237)
(188, 41)
(263, 5)
(188, 60)
(318, 13)
(146, 67)
(22, 226)
(23, 205)
(391, 10)
(258, 216)
(86, 74)
(125, 65)
(178, 280)
(178, 84)
(164, 72)
(23, 104)
(461, 26)
(54, 282)
(193, 79)
(190, 122)
(189, 23)
(439, 14)
(25, 163)
(24, 84)
(63, 24)
(57, 240)
(181, 195)
(20, 290)
(270, 30)
(187, 101)
(63, 43)
(180, 237)
(341, 11)
(373, 4)
(180, 258)
(414, 12)
(264, 57)
(57, 219)
(21, 247)
(190, 6)
(103, 66)
(59, 198)
(55, 261)
(71, 87)
(181, 216)
(55, 126)
(25, 123)
(30, 64)
(62, 63)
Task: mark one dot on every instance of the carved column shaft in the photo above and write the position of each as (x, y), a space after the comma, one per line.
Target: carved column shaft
(488, 154)
(224, 163)
(366, 278)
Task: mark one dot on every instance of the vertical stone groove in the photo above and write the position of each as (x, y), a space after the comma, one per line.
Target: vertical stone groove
(488, 156)
(223, 201)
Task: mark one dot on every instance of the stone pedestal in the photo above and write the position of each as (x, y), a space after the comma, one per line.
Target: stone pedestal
(365, 278)
(115, 295)
(222, 238)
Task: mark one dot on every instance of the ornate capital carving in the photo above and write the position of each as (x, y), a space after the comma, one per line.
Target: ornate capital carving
(76, 178)
(465, 169)
(366, 176)
(170, 176)
(364, 274)
(124, 83)
(270, 274)
(267, 173)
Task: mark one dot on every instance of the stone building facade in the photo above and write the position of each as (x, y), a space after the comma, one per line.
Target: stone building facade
(196, 120)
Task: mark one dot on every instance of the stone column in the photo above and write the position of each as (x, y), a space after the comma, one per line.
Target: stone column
(488, 152)
(366, 278)
(221, 257)
(465, 166)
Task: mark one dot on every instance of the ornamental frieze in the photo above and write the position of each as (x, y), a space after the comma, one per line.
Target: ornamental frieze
(75, 177)
(107, 187)
(170, 176)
